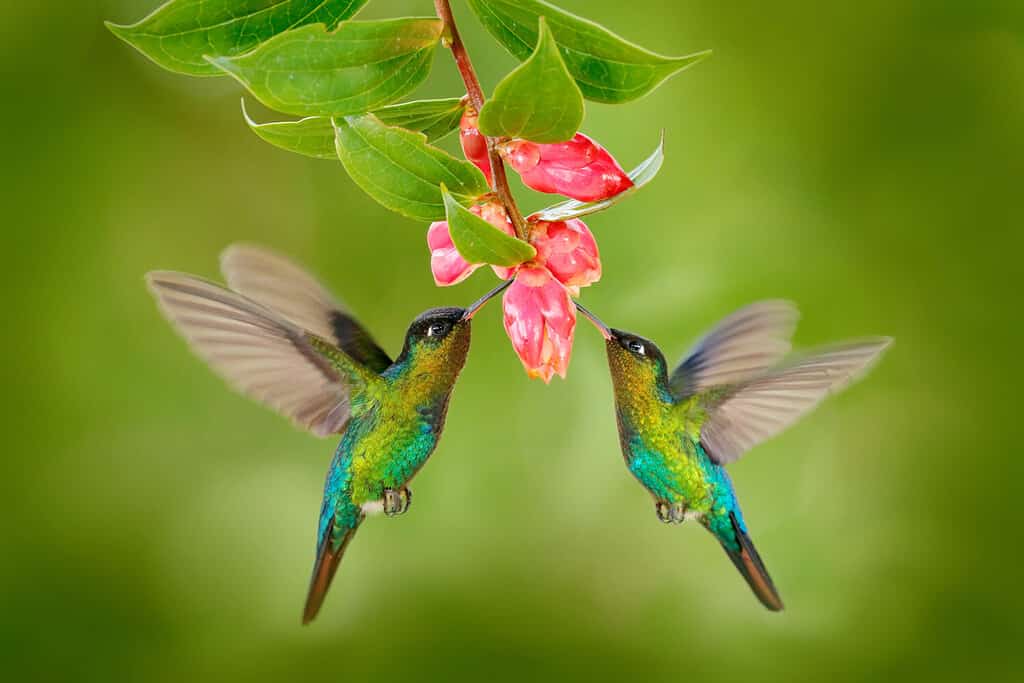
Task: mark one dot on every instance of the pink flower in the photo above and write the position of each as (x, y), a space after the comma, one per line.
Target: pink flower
(569, 251)
(539, 315)
(474, 144)
(446, 264)
(540, 319)
(579, 168)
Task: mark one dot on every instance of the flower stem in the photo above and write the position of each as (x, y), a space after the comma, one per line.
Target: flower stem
(476, 100)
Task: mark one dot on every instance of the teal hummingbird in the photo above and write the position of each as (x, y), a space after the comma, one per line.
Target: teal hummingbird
(278, 336)
(734, 390)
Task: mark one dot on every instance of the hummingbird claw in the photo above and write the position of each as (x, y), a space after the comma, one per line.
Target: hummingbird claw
(392, 502)
(664, 512)
(670, 513)
(678, 513)
(397, 501)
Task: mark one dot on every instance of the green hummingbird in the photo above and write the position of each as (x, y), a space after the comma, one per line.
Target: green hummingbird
(278, 336)
(734, 390)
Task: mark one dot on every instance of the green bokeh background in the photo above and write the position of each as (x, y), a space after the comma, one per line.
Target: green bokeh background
(863, 159)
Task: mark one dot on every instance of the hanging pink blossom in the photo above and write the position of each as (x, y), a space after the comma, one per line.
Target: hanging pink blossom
(569, 251)
(540, 319)
(580, 168)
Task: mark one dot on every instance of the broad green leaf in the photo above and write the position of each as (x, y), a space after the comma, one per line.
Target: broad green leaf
(641, 175)
(607, 68)
(478, 241)
(539, 101)
(313, 136)
(180, 33)
(400, 170)
(360, 66)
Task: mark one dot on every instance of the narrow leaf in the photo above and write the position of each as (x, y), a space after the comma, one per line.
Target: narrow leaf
(358, 67)
(641, 175)
(400, 170)
(433, 118)
(607, 68)
(313, 136)
(539, 101)
(179, 33)
(478, 241)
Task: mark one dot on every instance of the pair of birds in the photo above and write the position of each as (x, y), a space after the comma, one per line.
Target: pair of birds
(277, 335)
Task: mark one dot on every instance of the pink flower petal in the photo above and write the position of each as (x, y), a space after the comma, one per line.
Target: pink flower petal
(474, 144)
(579, 168)
(446, 264)
(540, 320)
(569, 251)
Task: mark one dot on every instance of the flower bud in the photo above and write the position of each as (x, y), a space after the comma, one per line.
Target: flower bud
(540, 319)
(446, 263)
(579, 168)
(474, 144)
(569, 251)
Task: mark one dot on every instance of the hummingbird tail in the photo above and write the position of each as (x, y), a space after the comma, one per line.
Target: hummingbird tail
(749, 564)
(327, 561)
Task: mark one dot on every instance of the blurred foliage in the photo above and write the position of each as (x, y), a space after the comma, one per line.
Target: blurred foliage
(864, 159)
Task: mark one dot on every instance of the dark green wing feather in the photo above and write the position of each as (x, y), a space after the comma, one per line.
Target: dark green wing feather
(281, 285)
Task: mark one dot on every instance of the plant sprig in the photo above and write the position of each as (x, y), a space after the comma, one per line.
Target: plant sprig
(347, 78)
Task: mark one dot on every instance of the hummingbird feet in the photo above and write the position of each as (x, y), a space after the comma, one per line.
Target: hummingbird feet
(397, 501)
(670, 513)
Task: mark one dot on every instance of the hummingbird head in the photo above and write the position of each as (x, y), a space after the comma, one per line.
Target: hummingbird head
(438, 338)
(634, 356)
(437, 341)
(633, 360)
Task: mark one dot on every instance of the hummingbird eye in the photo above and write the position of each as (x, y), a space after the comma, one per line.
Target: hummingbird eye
(438, 329)
(636, 347)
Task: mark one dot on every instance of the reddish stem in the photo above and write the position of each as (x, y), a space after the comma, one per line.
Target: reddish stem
(476, 100)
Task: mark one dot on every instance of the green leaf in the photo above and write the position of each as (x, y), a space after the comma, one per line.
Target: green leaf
(400, 170)
(641, 175)
(433, 118)
(313, 136)
(360, 66)
(539, 101)
(179, 33)
(607, 68)
(478, 241)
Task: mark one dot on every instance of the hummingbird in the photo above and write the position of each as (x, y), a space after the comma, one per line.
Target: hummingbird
(734, 390)
(278, 336)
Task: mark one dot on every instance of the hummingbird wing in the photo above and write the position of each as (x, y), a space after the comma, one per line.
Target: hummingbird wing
(744, 415)
(260, 353)
(281, 285)
(741, 346)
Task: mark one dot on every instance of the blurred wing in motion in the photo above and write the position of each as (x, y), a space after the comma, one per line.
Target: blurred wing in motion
(741, 346)
(257, 351)
(283, 286)
(743, 416)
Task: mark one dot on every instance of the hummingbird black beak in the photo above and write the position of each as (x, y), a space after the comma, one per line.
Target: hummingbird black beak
(479, 303)
(601, 327)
